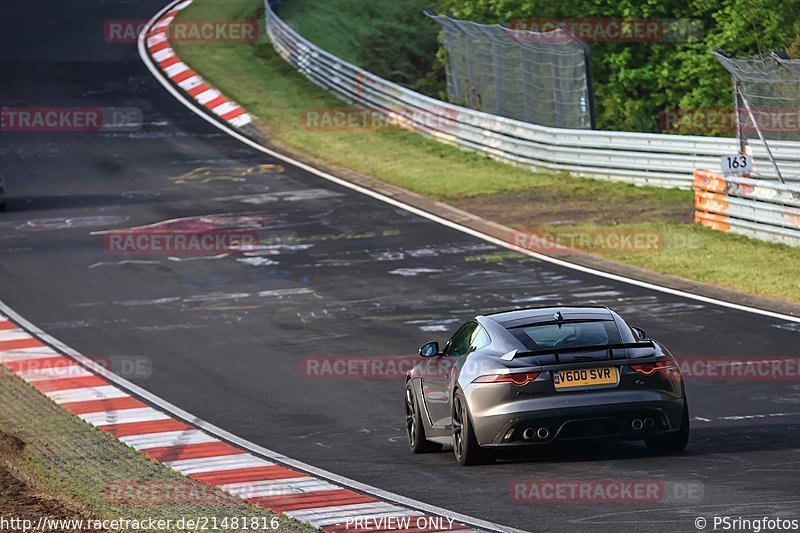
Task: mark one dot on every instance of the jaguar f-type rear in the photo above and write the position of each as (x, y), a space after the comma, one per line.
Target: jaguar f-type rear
(534, 377)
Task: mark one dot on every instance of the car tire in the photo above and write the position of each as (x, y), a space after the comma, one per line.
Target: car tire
(675, 441)
(415, 430)
(465, 445)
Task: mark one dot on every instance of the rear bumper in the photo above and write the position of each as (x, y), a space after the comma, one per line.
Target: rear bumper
(608, 413)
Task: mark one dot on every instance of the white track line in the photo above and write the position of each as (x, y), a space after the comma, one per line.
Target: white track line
(125, 413)
(201, 465)
(411, 209)
(222, 463)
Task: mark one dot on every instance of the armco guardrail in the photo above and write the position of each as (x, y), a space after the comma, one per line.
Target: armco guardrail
(764, 210)
(645, 159)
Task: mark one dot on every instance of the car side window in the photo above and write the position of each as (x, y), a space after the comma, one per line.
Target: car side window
(460, 342)
(479, 339)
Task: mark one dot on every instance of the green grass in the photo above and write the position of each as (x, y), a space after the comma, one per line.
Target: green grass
(726, 260)
(73, 460)
(269, 88)
(256, 77)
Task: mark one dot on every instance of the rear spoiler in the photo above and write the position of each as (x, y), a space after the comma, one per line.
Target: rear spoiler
(644, 344)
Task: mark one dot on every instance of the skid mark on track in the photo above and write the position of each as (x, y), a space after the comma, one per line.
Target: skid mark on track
(62, 223)
(275, 249)
(724, 509)
(219, 298)
(737, 418)
(789, 326)
(740, 418)
(413, 272)
(302, 195)
(204, 175)
(257, 261)
(197, 258)
(168, 327)
(199, 223)
(124, 262)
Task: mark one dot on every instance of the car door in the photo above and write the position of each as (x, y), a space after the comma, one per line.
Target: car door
(438, 373)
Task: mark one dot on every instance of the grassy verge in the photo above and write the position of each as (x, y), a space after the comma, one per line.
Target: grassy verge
(255, 76)
(54, 464)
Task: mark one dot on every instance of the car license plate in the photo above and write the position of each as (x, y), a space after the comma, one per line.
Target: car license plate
(583, 377)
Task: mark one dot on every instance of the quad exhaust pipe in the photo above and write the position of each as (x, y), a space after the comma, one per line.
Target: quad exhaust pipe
(638, 424)
(542, 433)
(531, 433)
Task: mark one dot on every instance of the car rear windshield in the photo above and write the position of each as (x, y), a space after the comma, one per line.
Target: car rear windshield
(567, 334)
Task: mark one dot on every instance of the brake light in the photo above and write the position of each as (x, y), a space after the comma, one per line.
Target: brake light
(517, 379)
(650, 368)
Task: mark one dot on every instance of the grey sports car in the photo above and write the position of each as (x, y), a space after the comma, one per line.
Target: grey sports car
(532, 377)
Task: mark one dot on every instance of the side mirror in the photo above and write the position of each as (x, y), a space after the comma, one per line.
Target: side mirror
(430, 349)
(642, 334)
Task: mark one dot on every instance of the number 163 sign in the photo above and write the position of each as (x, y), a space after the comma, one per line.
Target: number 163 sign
(737, 164)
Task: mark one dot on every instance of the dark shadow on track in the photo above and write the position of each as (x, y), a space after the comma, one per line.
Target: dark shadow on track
(77, 201)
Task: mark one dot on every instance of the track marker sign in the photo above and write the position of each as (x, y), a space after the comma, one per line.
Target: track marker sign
(737, 164)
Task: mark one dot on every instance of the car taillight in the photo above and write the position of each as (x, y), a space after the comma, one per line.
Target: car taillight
(667, 366)
(516, 379)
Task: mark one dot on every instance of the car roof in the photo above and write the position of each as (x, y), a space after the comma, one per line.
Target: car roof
(534, 315)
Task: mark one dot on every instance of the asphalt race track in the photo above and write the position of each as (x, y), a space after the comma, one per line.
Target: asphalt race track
(227, 335)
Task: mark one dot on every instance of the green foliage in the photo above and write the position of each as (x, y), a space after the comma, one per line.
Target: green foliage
(390, 38)
(272, 90)
(403, 50)
(636, 82)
